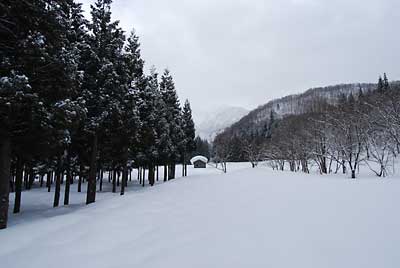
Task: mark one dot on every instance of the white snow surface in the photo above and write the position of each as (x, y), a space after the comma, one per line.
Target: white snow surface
(245, 218)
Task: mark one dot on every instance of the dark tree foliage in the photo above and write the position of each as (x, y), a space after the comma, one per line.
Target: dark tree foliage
(202, 147)
(75, 103)
(189, 133)
(174, 119)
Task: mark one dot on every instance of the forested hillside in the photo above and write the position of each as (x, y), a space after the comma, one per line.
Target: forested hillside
(297, 104)
(337, 128)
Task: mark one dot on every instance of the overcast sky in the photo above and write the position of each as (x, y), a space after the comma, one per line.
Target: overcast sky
(246, 52)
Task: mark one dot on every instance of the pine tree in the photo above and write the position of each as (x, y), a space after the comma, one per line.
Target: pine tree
(202, 148)
(173, 116)
(386, 85)
(36, 76)
(162, 126)
(189, 135)
(73, 95)
(145, 89)
(101, 81)
(69, 108)
(381, 86)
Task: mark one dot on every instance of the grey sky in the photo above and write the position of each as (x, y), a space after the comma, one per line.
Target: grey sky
(246, 52)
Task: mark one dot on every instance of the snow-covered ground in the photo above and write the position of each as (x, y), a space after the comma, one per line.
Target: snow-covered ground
(246, 218)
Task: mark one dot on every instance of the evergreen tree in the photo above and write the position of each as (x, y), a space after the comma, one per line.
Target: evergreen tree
(162, 125)
(145, 89)
(202, 147)
(189, 134)
(69, 108)
(381, 86)
(36, 75)
(101, 84)
(74, 101)
(386, 85)
(173, 116)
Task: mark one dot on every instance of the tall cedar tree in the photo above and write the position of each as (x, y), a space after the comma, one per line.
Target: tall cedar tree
(71, 98)
(189, 135)
(162, 125)
(146, 105)
(174, 119)
(35, 78)
(102, 82)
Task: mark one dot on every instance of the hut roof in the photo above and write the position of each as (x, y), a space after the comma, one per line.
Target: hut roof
(199, 157)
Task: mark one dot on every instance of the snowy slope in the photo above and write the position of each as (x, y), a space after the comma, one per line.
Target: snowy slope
(297, 104)
(213, 122)
(246, 218)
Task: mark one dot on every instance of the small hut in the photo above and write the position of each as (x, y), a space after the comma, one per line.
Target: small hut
(199, 161)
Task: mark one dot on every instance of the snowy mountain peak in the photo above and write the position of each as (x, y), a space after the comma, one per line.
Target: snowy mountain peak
(215, 121)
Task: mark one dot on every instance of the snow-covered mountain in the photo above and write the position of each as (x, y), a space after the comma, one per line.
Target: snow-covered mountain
(297, 104)
(215, 121)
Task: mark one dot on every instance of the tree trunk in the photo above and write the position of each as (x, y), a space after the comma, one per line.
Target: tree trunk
(80, 178)
(186, 170)
(165, 172)
(344, 166)
(25, 176)
(157, 171)
(143, 176)
(5, 175)
(48, 181)
(151, 174)
(127, 175)
(114, 181)
(68, 180)
(324, 169)
(171, 171)
(58, 184)
(31, 178)
(353, 173)
(91, 181)
(101, 180)
(183, 167)
(18, 185)
(12, 181)
(124, 177)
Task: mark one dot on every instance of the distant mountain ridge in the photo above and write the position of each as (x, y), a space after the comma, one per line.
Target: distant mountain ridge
(216, 121)
(298, 104)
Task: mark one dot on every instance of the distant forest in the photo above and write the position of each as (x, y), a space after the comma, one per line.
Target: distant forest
(337, 132)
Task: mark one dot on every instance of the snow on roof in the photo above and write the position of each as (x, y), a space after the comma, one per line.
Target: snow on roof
(198, 157)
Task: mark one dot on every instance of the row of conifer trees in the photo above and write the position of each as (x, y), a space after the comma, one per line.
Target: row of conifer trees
(75, 103)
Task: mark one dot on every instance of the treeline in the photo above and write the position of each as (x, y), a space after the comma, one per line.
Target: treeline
(202, 147)
(75, 103)
(361, 128)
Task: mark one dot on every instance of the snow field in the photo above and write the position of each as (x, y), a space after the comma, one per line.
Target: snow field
(245, 218)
